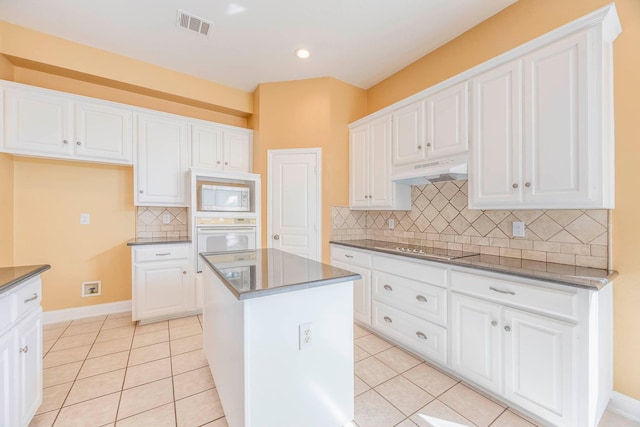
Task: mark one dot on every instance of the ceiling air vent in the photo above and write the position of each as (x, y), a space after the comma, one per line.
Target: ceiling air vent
(193, 23)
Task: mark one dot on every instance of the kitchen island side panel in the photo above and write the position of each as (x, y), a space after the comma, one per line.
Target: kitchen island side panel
(223, 342)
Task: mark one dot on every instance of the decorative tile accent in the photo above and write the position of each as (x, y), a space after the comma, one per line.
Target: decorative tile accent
(149, 222)
(440, 218)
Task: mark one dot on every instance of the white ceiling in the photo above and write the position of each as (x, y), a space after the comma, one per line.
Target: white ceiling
(252, 41)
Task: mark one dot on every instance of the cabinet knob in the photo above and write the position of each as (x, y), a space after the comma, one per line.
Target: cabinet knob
(65, 141)
(387, 319)
(218, 162)
(226, 163)
(184, 272)
(78, 143)
(419, 147)
(514, 185)
(24, 349)
(370, 196)
(141, 191)
(276, 237)
(421, 298)
(527, 184)
(428, 144)
(507, 328)
(421, 335)
(494, 323)
(388, 288)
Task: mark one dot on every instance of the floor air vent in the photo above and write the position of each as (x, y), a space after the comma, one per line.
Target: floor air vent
(193, 23)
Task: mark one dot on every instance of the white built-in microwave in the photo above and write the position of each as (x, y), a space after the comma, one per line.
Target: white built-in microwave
(224, 198)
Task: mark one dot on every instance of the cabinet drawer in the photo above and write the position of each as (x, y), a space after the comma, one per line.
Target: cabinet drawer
(28, 296)
(160, 253)
(411, 270)
(350, 256)
(545, 300)
(423, 337)
(425, 301)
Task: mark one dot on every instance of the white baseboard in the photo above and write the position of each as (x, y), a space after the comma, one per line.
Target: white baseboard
(88, 311)
(624, 405)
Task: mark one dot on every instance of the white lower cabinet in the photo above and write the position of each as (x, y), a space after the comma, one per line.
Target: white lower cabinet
(21, 354)
(543, 348)
(162, 285)
(357, 262)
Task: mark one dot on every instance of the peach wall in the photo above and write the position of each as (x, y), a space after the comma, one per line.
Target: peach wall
(6, 210)
(79, 87)
(308, 114)
(33, 49)
(520, 23)
(49, 197)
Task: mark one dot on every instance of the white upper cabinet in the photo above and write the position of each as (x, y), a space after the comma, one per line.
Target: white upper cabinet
(103, 132)
(162, 161)
(370, 185)
(542, 128)
(448, 121)
(45, 123)
(218, 148)
(408, 134)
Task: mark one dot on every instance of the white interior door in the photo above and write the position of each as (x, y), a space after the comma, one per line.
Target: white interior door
(294, 201)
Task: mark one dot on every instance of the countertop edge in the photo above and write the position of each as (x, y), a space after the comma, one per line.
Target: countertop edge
(157, 241)
(37, 270)
(591, 283)
(279, 290)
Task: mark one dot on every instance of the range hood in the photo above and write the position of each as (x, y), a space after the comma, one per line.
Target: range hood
(437, 171)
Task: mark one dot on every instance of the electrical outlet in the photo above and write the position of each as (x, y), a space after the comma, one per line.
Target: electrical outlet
(166, 218)
(392, 223)
(304, 336)
(518, 229)
(85, 219)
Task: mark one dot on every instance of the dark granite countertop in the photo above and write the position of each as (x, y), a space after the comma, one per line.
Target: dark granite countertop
(583, 277)
(157, 240)
(262, 272)
(10, 277)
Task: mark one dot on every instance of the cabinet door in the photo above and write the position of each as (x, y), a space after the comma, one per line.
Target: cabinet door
(236, 151)
(162, 161)
(556, 138)
(161, 288)
(408, 134)
(103, 133)
(380, 161)
(8, 379)
(206, 147)
(476, 341)
(361, 292)
(37, 123)
(448, 121)
(538, 368)
(496, 155)
(29, 333)
(359, 167)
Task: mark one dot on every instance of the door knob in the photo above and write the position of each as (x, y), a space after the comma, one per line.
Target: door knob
(276, 237)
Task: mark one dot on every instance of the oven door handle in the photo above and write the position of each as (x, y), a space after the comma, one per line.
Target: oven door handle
(222, 230)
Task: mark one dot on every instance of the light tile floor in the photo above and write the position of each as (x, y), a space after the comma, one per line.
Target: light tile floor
(107, 371)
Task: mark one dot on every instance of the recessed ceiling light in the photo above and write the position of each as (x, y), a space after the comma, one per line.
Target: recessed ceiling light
(302, 53)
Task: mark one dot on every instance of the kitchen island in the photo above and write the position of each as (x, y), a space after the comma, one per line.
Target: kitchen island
(278, 336)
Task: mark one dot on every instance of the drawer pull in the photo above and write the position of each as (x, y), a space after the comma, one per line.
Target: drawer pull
(500, 291)
(421, 335)
(388, 288)
(164, 254)
(348, 256)
(387, 319)
(507, 328)
(421, 298)
(494, 323)
(24, 349)
(34, 297)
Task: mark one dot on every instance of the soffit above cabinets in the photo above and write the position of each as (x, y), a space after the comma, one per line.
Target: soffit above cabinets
(253, 41)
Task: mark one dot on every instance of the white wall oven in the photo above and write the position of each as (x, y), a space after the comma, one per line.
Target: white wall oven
(216, 234)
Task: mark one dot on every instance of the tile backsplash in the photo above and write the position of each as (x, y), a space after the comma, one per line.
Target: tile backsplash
(149, 222)
(441, 218)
